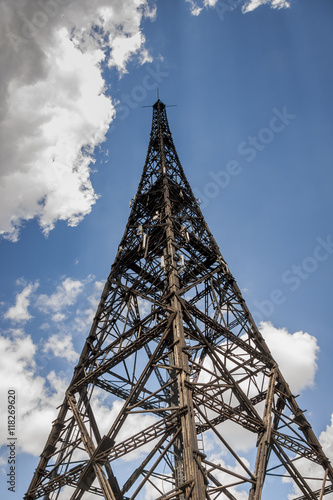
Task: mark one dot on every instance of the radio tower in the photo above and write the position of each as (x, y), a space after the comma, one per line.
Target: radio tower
(173, 367)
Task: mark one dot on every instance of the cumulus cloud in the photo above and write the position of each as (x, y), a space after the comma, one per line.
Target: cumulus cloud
(55, 107)
(310, 469)
(36, 396)
(19, 312)
(65, 295)
(295, 353)
(219, 457)
(224, 478)
(84, 317)
(55, 110)
(61, 346)
(326, 440)
(123, 47)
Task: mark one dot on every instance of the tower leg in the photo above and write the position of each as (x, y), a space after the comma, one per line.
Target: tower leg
(264, 441)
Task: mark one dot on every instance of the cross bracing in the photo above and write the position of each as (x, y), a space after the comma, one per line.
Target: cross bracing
(173, 369)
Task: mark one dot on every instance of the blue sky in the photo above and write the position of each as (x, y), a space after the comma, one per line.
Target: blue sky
(252, 85)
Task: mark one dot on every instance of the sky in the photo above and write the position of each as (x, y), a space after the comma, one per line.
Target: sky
(252, 83)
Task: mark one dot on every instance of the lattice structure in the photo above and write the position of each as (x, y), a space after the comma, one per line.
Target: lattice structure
(173, 367)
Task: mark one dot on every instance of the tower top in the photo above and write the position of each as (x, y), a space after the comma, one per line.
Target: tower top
(159, 104)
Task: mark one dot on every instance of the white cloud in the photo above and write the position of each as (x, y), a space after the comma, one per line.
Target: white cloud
(37, 398)
(39, 411)
(67, 492)
(195, 9)
(310, 469)
(218, 457)
(61, 346)
(94, 298)
(123, 47)
(295, 353)
(105, 414)
(64, 296)
(84, 317)
(58, 317)
(248, 5)
(144, 307)
(326, 440)
(153, 488)
(254, 4)
(210, 3)
(54, 108)
(19, 312)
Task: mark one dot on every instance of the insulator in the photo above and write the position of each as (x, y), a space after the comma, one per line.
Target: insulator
(144, 241)
(140, 230)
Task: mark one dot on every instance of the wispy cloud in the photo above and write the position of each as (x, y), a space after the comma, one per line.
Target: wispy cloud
(65, 295)
(223, 6)
(254, 4)
(195, 9)
(61, 346)
(84, 315)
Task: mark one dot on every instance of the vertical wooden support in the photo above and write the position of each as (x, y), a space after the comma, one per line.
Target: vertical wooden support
(187, 468)
(264, 440)
(323, 485)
